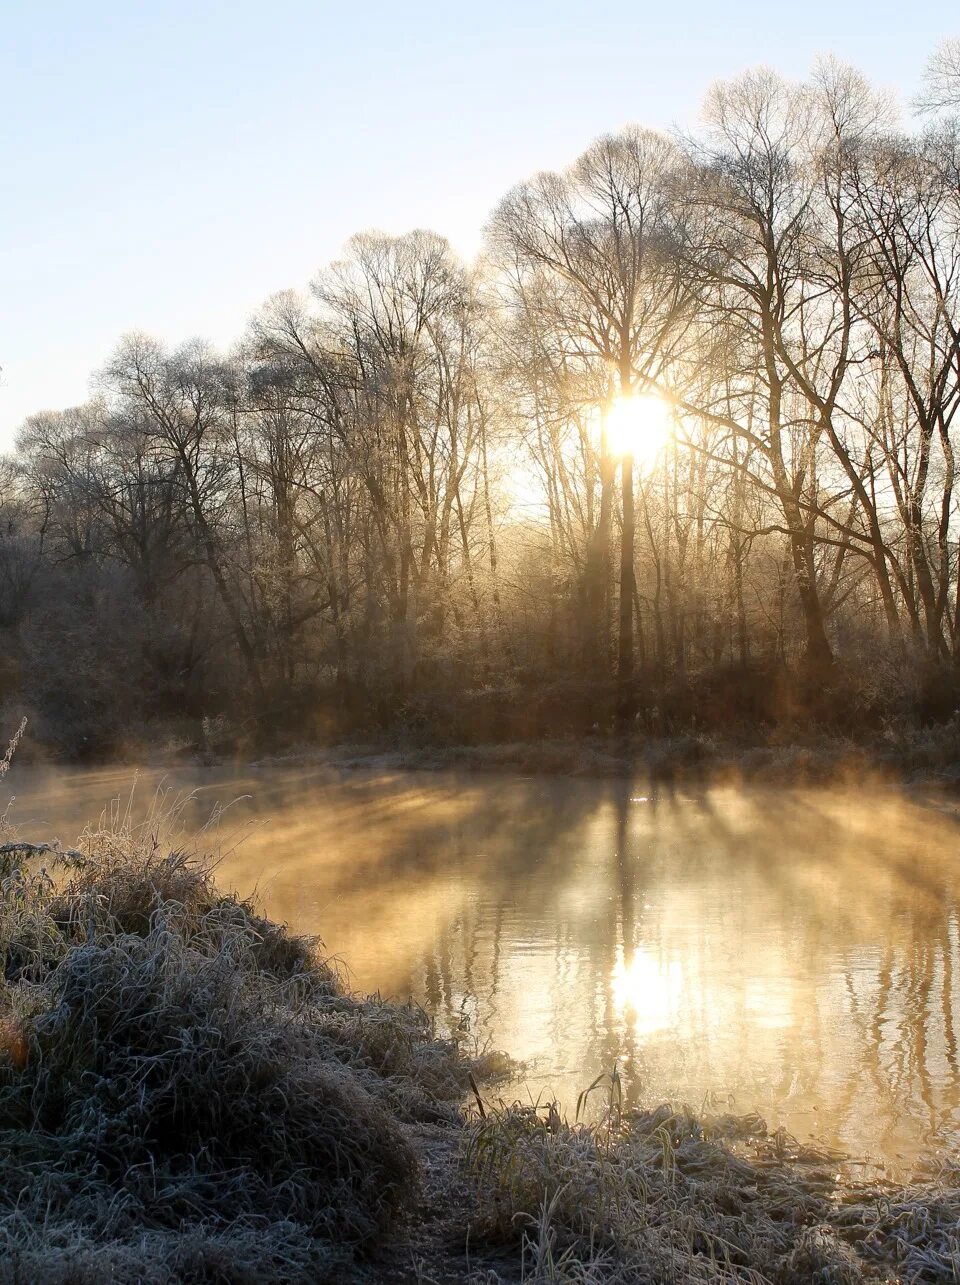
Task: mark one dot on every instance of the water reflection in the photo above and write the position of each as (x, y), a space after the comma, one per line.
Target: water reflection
(794, 953)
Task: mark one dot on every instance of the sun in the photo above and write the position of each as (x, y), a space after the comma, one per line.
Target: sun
(639, 424)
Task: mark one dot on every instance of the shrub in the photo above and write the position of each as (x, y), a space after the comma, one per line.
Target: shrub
(185, 1090)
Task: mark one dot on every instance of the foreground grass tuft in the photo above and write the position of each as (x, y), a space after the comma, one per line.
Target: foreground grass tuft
(185, 1091)
(662, 1195)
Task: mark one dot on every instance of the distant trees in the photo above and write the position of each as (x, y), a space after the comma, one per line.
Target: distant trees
(381, 374)
(396, 499)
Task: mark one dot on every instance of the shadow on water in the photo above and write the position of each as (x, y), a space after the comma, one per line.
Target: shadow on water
(793, 952)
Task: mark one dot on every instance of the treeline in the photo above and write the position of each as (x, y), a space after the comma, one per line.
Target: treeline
(394, 503)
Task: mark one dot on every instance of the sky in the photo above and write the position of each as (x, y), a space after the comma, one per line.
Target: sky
(168, 166)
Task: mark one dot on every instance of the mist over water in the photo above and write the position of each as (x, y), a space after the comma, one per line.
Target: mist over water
(796, 953)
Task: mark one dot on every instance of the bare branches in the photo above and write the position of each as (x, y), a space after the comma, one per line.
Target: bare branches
(941, 80)
(401, 479)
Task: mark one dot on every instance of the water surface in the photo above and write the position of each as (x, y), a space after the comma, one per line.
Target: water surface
(791, 952)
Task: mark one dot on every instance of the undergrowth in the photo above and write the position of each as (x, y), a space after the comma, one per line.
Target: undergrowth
(186, 1091)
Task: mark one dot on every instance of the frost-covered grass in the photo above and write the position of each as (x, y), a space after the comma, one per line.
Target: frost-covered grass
(663, 1195)
(186, 1091)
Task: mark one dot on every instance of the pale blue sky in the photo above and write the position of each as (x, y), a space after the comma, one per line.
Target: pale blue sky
(169, 165)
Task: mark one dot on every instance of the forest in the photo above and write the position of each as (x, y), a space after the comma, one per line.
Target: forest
(400, 503)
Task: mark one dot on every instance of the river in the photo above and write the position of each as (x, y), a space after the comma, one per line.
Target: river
(795, 953)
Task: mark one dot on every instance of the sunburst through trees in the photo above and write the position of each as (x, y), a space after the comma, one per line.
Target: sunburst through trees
(401, 486)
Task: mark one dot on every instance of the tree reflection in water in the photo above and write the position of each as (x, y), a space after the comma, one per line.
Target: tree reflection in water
(791, 952)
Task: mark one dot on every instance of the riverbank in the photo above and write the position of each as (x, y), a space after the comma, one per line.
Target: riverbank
(188, 1092)
(929, 757)
(794, 754)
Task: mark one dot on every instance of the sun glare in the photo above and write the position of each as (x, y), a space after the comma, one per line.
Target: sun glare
(647, 990)
(639, 424)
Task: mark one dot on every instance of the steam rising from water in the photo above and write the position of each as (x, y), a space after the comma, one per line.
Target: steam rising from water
(796, 953)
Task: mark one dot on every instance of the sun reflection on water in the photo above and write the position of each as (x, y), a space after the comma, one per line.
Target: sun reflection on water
(647, 991)
(796, 952)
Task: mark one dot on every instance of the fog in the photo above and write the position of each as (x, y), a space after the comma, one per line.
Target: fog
(793, 952)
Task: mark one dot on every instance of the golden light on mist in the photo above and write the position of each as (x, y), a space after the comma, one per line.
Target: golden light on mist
(639, 424)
